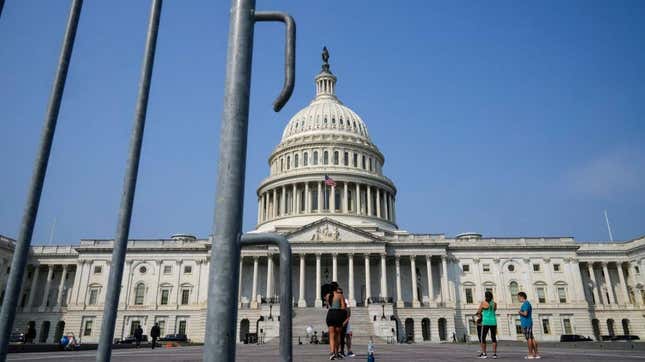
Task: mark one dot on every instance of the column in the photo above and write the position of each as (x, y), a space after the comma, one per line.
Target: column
(156, 286)
(594, 284)
(259, 210)
(307, 199)
(179, 263)
(369, 200)
(350, 264)
(413, 273)
(430, 283)
(239, 283)
(393, 209)
(332, 199)
(399, 298)
(386, 202)
(378, 202)
(269, 292)
(32, 291)
(127, 271)
(634, 281)
(254, 290)
(334, 267)
(358, 199)
(501, 291)
(318, 302)
(577, 280)
(264, 207)
(301, 301)
(48, 282)
(320, 197)
(383, 276)
(368, 288)
(294, 200)
(61, 286)
(610, 290)
(444, 279)
(275, 203)
(283, 201)
(623, 285)
(345, 198)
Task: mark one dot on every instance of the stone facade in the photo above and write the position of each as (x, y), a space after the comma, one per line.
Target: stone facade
(326, 192)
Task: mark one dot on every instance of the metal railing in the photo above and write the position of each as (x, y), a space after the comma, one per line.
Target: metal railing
(227, 239)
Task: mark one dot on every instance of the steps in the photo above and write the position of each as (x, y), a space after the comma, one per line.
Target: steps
(362, 326)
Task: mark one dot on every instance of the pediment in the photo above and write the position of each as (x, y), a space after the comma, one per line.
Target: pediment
(330, 231)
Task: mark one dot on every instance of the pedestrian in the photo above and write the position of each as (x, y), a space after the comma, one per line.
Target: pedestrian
(478, 323)
(348, 332)
(155, 332)
(526, 322)
(336, 317)
(138, 335)
(487, 308)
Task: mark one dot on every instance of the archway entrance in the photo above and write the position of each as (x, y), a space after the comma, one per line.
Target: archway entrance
(44, 332)
(443, 329)
(610, 327)
(409, 330)
(244, 329)
(595, 325)
(626, 326)
(425, 329)
(60, 329)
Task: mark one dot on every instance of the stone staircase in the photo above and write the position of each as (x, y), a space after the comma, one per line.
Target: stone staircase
(362, 326)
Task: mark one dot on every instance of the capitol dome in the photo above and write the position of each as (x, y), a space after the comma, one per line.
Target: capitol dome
(326, 165)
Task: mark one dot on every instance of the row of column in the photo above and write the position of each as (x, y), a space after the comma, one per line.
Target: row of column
(351, 283)
(609, 297)
(34, 287)
(318, 197)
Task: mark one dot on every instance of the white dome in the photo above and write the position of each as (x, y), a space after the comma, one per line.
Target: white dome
(325, 113)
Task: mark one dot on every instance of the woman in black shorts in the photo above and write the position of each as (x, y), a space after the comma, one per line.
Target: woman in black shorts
(336, 316)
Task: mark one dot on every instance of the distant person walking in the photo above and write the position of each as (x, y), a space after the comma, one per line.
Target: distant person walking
(526, 322)
(138, 335)
(487, 309)
(155, 332)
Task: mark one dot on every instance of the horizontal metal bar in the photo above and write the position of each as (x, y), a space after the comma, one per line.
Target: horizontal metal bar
(286, 307)
(289, 54)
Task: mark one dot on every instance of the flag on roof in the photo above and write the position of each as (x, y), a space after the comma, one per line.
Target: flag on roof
(329, 181)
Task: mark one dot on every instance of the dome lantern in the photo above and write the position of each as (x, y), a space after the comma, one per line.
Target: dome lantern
(325, 80)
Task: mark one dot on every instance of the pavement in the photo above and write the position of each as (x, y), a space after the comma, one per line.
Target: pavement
(384, 352)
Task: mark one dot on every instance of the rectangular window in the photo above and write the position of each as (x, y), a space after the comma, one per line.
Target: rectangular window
(188, 269)
(466, 268)
(556, 267)
(546, 328)
(162, 327)
(335, 157)
(87, 331)
(94, 293)
(165, 293)
(363, 162)
(305, 159)
(355, 159)
(486, 268)
(315, 157)
(536, 267)
(489, 289)
(566, 323)
(346, 159)
(636, 269)
(133, 327)
(182, 327)
(371, 164)
(98, 269)
(167, 269)
(541, 294)
(469, 295)
(184, 296)
(562, 294)
(518, 326)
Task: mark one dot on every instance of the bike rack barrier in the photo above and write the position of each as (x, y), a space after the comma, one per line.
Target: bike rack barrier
(286, 304)
(224, 269)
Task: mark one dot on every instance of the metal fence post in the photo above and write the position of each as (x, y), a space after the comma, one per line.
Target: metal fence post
(113, 292)
(21, 251)
(219, 342)
(286, 299)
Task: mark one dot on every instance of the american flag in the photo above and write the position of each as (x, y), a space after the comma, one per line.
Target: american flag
(330, 181)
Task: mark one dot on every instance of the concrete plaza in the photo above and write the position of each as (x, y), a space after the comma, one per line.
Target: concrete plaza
(314, 353)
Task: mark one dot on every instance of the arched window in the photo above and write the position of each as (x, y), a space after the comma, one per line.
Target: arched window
(288, 162)
(315, 158)
(281, 164)
(363, 162)
(139, 293)
(335, 157)
(371, 165)
(626, 327)
(346, 159)
(610, 327)
(355, 159)
(514, 289)
(305, 159)
(295, 161)
(325, 158)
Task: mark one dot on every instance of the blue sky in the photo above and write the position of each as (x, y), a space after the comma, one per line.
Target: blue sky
(505, 118)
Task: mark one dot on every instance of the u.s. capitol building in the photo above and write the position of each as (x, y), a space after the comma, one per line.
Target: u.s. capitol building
(328, 194)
